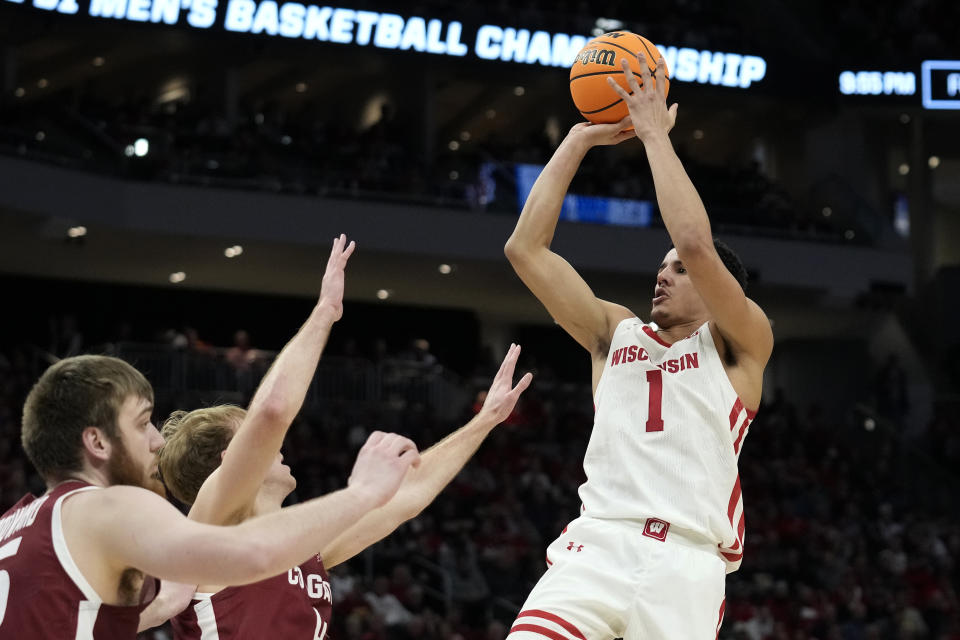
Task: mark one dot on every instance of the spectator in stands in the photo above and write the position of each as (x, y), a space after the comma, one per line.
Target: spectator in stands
(891, 389)
(386, 605)
(65, 337)
(241, 355)
(852, 534)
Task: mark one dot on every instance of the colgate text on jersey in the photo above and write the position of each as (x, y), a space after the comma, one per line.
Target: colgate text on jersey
(313, 583)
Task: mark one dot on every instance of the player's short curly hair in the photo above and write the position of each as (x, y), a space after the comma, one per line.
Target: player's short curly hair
(731, 261)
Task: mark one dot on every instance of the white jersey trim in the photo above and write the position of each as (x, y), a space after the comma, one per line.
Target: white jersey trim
(705, 329)
(66, 560)
(86, 619)
(206, 619)
(320, 632)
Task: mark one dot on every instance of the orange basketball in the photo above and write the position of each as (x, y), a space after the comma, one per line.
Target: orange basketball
(600, 58)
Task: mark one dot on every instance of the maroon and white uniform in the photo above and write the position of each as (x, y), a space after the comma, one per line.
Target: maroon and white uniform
(43, 595)
(662, 519)
(295, 605)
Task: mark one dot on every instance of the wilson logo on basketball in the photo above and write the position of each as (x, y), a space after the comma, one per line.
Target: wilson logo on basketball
(597, 62)
(656, 529)
(597, 56)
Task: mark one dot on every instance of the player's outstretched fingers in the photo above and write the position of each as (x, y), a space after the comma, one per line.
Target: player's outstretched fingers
(508, 364)
(661, 76)
(349, 250)
(628, 74)
(644, 70)
(503, 362)
(620, 91)
(335, 251)
(523, 384)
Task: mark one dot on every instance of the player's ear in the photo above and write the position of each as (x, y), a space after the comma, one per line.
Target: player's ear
(96, 443)
(222, 453)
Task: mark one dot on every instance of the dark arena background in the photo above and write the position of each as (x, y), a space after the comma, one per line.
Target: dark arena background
(172, 173)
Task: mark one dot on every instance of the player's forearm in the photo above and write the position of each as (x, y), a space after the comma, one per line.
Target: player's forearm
(538, 220)
(172, 599)
(155, 614)
(438, 466)
(270, 544)
(681, 208)
(283, 389)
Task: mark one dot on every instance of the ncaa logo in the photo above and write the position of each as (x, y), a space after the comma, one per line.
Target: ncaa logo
(656, 529)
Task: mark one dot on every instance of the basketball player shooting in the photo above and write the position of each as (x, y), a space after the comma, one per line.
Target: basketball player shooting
(662, 518)
(226, 464)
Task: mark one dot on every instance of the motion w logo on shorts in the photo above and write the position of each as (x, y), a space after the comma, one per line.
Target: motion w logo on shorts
(656, 529)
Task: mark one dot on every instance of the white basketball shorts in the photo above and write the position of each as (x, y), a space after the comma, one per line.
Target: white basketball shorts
(633, 580)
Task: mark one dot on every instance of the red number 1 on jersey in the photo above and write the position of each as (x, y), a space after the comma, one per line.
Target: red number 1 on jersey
(654, 415)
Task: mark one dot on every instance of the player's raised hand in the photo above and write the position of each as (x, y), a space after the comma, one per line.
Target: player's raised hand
(603, 134)
(331, 289)
(502, 396)
(382, 463)
(647, 101)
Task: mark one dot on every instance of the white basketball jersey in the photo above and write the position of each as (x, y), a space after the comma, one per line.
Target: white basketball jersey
(666, 437)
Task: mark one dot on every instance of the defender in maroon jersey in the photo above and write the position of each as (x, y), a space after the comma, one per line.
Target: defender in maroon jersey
(252, 480)
(295, 604)
(37, 567)
(74, 561)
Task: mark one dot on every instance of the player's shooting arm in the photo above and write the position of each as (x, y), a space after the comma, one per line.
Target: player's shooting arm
(438, 466)
(234, 485)
(567, 297)
(740, 320)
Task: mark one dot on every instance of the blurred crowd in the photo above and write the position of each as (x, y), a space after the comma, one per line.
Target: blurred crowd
(852, 527)
(274, 147)
(301, 147)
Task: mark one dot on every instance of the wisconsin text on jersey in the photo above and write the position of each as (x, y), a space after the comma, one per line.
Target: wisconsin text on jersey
(635, 353)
